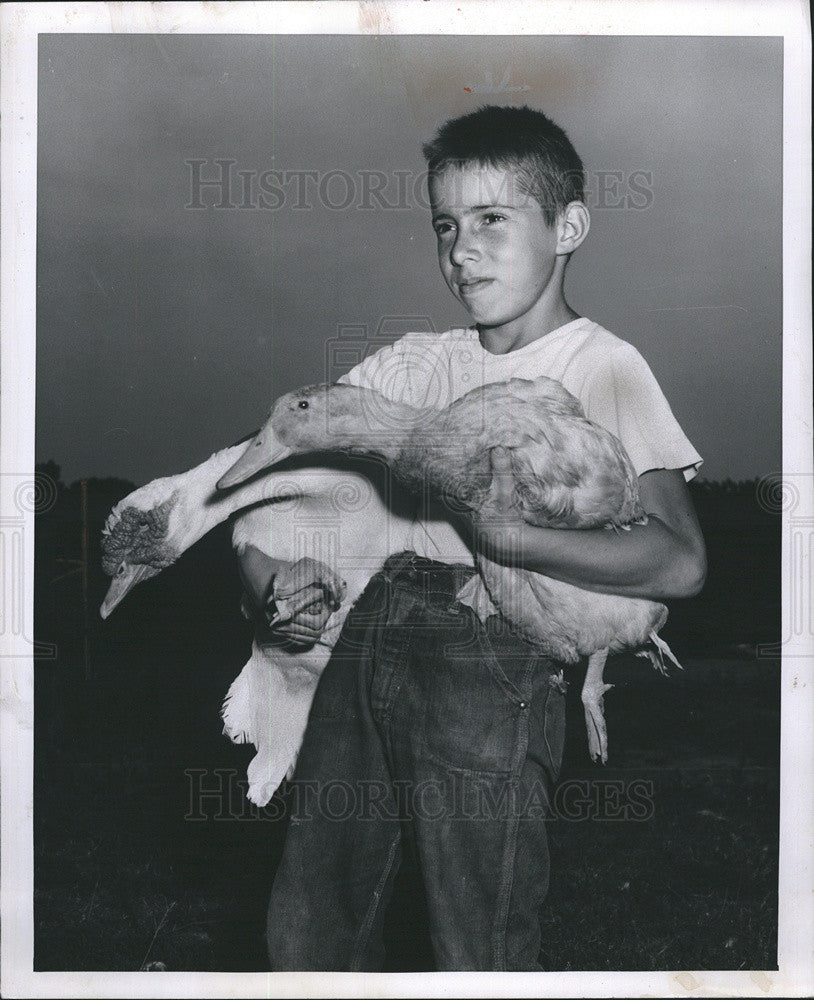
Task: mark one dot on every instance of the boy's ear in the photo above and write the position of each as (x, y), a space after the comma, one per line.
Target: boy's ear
(574, 224)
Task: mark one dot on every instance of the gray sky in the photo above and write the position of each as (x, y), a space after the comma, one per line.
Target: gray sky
(164, 332)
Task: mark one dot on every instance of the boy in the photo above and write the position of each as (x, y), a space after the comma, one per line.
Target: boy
(446, 733)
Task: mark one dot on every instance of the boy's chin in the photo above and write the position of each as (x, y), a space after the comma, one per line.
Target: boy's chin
(485, 317)
(482, 317)
(488, 321)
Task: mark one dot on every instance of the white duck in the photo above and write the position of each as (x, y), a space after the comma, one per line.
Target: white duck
(332, 513)
(570, 472)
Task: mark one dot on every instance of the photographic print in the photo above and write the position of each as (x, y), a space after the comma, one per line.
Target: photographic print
(415, 535)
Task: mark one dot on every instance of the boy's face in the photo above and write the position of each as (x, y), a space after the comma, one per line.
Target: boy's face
(496, 251)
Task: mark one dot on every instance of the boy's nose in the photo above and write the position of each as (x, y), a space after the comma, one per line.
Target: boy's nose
(463, 249)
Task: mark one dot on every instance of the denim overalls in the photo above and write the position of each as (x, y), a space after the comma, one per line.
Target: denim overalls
(434, 733)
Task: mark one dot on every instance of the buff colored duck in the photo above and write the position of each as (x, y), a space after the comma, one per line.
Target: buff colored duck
(570, 472)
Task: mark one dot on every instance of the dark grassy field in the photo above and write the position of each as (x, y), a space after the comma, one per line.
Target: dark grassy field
(124, 878)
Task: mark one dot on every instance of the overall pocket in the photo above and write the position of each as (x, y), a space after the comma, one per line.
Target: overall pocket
(471, 708)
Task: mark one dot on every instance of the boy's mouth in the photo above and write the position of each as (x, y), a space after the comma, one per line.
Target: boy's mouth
(469, 285)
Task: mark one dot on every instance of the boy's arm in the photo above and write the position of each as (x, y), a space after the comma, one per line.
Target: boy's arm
(258, 572)
(661, 560)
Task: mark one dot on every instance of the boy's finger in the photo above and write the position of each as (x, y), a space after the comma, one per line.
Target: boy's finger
(310, 599)
(501, 459)
(502, 489)
(300, 637)
(306, 573)
(305, 622)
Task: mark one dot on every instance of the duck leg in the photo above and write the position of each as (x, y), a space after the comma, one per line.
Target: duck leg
(593, 693)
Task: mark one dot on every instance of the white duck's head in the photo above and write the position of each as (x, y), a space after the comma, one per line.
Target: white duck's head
(151, 527)
(138, 539)
(318, 418)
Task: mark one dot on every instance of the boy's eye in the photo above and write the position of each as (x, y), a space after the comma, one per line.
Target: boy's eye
(493, 217)
(442, 228)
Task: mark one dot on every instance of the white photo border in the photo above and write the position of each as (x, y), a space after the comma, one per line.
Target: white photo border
(21, 24)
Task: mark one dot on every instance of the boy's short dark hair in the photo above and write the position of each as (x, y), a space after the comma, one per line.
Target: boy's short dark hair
(519, 138)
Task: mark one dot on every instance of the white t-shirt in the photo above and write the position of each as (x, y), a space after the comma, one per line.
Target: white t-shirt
(608, 376)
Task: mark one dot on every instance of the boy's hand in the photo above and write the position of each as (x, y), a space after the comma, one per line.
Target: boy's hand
(499, 522)
(501, 504)
(305, 595)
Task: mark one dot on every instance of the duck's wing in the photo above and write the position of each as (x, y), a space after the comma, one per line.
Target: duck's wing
(566, 622)
(573, 474)
(475, 595)
(570, 472)
(529, 610)
(268, 705)
(545, 393)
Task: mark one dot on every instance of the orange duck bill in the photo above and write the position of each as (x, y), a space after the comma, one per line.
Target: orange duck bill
(263, 451)
(123, 583)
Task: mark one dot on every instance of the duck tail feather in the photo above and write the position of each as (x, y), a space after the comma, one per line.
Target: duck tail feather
(657, 655)
(236, 710)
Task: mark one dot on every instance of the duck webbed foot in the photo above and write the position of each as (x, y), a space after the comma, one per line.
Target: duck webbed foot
(593, 694)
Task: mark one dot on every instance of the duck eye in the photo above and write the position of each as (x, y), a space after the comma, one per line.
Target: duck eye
(303, 404)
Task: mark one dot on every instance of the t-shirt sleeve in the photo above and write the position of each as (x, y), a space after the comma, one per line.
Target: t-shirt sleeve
(369, 373)
(401, 371)
(625, 398)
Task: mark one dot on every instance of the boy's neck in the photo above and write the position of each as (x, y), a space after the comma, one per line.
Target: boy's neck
(526, 329)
